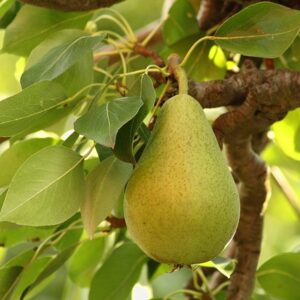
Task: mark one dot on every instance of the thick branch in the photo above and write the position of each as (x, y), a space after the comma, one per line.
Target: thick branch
(74, 5)
(257, 99)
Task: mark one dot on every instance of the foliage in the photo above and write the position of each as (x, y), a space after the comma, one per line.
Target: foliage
(70, 85)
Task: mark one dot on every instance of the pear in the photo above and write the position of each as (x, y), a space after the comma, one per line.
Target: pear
(181, 203)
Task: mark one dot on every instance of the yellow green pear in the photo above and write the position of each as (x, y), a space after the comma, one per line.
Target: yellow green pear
(181, 203)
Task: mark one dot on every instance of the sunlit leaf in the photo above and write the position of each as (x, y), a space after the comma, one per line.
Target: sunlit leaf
(33, 24)
(46, 190)
(103, 122)
(262, 30)
(13, 157)
(104, 186)
(29, 107)
(116, 277)
(279, 276)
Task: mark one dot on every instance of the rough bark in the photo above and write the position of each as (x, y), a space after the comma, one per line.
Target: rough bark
(74, 5)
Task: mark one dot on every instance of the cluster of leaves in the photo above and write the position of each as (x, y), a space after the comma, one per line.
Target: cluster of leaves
(81, 100)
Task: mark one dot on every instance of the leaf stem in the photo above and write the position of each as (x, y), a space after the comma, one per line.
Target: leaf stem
(194, 46)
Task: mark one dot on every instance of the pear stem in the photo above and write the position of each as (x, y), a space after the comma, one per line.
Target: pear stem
(179, 73)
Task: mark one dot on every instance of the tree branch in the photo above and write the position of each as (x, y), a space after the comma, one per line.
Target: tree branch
(257, 99)
(74, 5)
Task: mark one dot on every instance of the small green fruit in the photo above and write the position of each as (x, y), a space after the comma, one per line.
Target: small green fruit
(181, 203)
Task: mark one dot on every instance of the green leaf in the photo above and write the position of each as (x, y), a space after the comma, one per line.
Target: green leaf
(20, 259)
(224, 265)
(180, 23)
(4, 6)
(103, 122)
(11, 234)
(29, 107)
(124, 141)
(29, 275)
(7, 278)
(3, 192)
(46, 190)
(279, 276)
(33, 24)
(116, 277)
(13, 157)
(53, 265)
(74, 78)
(84, 261)
(262, 30)
(60, 58)
(286, 134)
(104, 185)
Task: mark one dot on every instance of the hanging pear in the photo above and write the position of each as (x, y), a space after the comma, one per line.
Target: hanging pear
(181, 203)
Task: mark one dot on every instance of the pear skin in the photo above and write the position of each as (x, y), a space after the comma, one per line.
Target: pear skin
(181, 203)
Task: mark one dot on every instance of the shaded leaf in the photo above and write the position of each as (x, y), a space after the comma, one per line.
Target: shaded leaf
(84, 261)
(262, 30)
(279, 276)
(52, 266)
(29, 107)
(103, 122)
(181, 22)
(13, 157)
(33, 24)
(7, 278)
(11, 234)
(104, 186)
(4, 6)
(29, 275)
(60, 58)
(46, 190)
(74, 78)
(124, 142)
(116, 277)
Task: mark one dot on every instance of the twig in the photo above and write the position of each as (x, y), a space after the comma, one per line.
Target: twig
(284, 185)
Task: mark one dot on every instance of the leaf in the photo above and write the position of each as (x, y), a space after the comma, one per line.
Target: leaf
(13, 157)
(4, 6)
(103, 122)
(33, 24)
(29, 275)
(181, 22)
(84, 261)
(11, 234)
(9, 13)
(7, 277)
(116, 277)
(77, 76)
(46, 190)
(53, 265)
(262, 30)
(3, 192)
(224, 265)
(279, 276)
(124, 142)
(60, 58)
(104, 186)
(29, 106)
